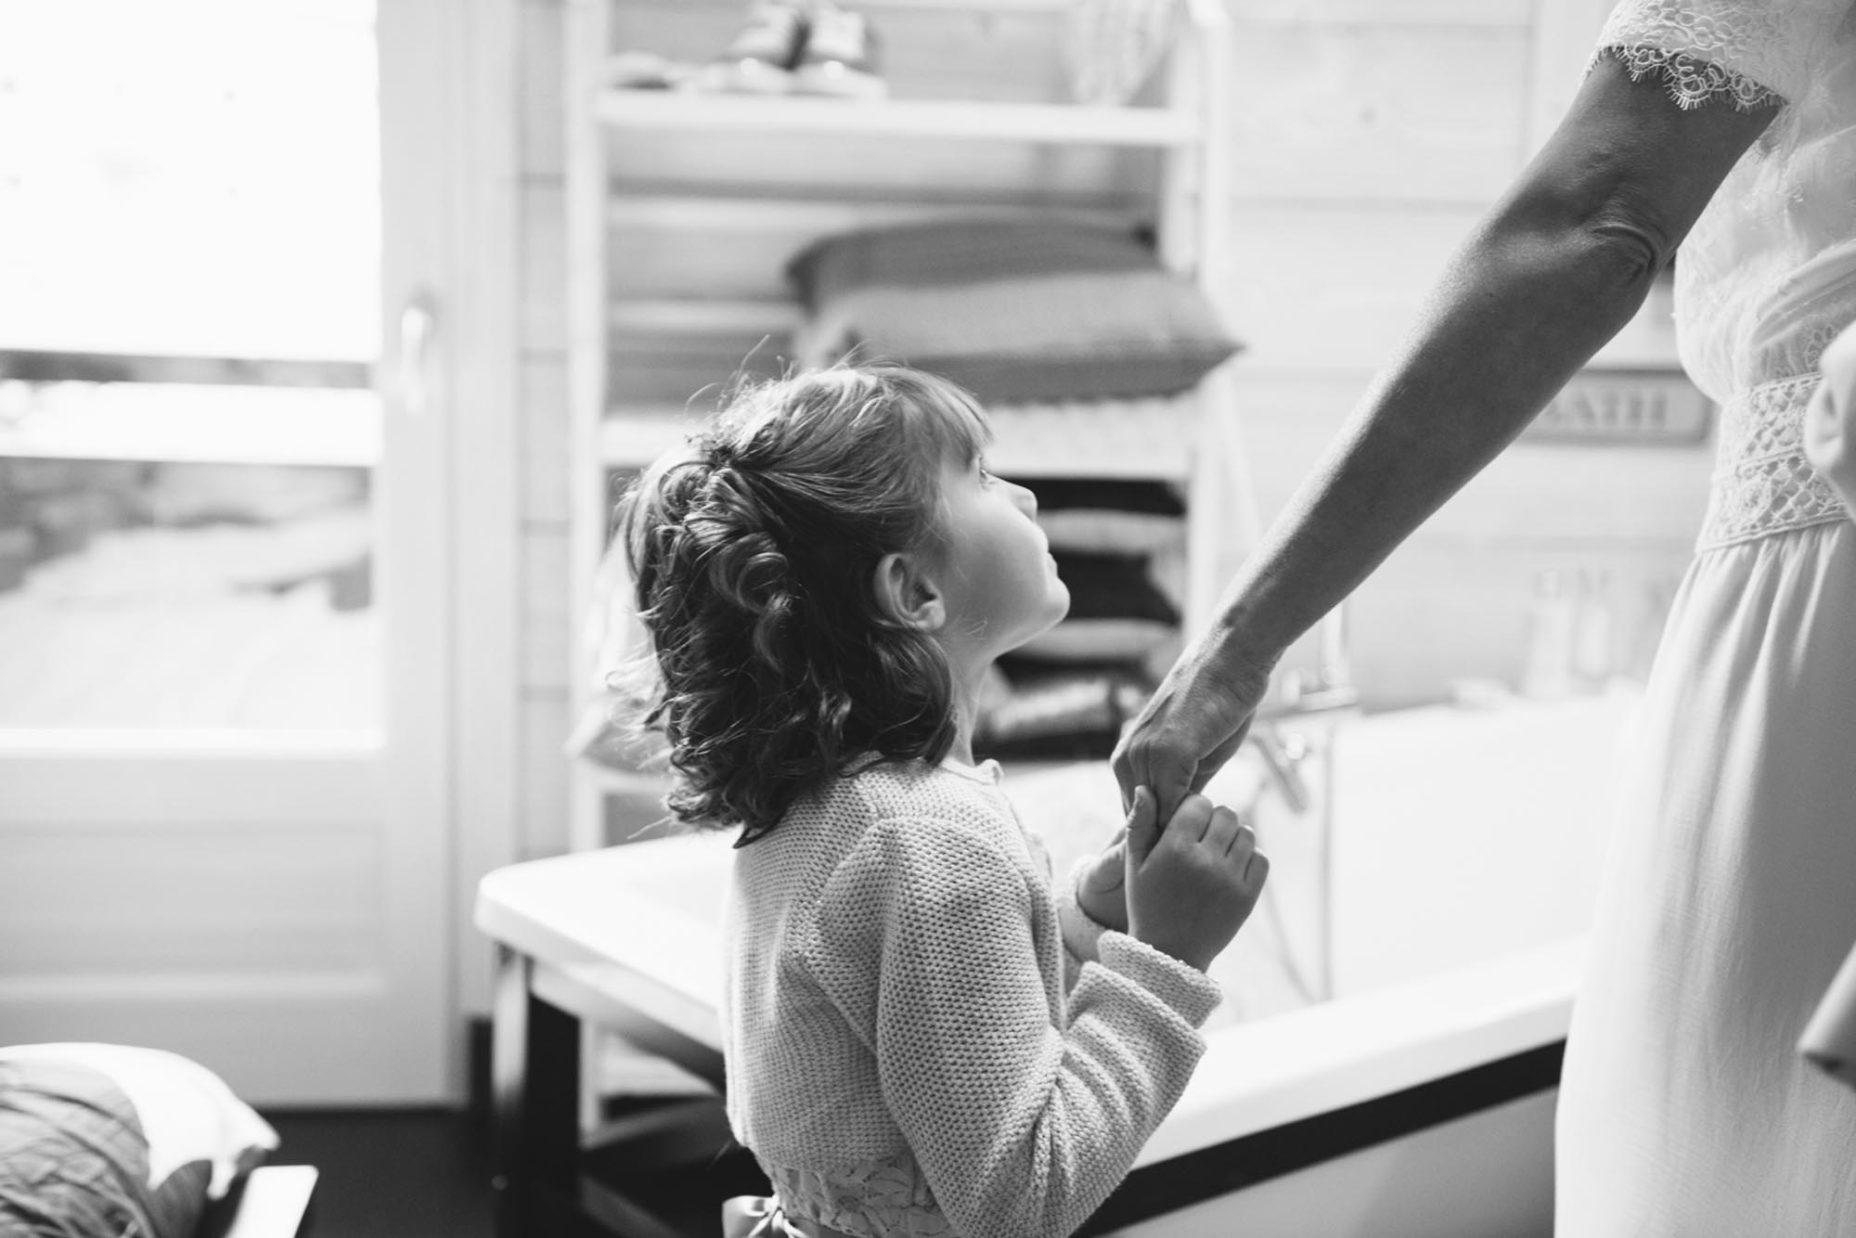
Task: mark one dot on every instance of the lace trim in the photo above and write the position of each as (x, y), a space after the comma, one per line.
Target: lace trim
(1691, 44)
(1690, 80)
(1762, 482)
(883, 1198)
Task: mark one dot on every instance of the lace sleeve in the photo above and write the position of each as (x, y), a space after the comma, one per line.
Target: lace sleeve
(1752, 53)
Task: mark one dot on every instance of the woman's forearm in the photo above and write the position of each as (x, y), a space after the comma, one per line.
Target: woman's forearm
(1516, 315)
(1552, 274)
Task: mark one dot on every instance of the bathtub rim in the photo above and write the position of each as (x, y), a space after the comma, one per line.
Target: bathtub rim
(1300, 1063)
(1309, 1086)
(1258, 1084)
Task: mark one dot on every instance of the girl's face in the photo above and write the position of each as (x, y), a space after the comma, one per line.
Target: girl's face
(997, 578)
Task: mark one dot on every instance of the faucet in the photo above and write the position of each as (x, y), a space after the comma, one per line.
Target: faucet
(1328, 692)
(1282, 758)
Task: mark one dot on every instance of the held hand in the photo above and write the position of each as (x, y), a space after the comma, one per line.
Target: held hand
(1192, 883)
(1101, 891)
(1191, 725)
(1830, 421)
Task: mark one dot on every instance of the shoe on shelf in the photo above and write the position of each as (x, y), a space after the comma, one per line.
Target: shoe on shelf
(647, 71)
(840, 55)
(761, 57)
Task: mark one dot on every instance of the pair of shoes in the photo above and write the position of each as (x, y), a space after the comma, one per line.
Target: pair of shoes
(808, 47)
(634, 70)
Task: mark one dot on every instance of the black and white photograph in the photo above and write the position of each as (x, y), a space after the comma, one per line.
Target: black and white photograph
(927, 618)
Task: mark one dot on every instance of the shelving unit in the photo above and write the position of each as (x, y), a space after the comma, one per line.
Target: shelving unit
(1185, 125)
(902, 118)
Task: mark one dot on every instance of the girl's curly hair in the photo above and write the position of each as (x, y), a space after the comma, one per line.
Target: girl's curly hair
(754, 555)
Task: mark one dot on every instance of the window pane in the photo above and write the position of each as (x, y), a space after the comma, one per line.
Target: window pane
(189, 177)
(193, 588)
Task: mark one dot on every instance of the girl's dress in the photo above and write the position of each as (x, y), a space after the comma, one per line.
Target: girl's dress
(1730, 896)
(920, 1037)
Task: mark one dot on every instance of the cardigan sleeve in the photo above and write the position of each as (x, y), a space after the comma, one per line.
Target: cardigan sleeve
(1082, 934)
(1021, 1118)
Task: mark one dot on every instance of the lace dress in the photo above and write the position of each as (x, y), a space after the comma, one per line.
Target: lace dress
(1730, 892)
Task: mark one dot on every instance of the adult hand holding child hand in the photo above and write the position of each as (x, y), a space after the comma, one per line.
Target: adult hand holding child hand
(1192, 883)
(1830, 420)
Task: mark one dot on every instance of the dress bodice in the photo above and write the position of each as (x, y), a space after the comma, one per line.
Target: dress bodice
(1767, 276)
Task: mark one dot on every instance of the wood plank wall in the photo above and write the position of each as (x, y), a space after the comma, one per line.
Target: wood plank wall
(1372, 134)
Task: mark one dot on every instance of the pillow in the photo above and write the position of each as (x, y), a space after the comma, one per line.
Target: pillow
(1120, 494)
(95, 1139)
(1012, 309)
(1099, 641)
(1112, 587)
(1067, 716)
(1111, 532)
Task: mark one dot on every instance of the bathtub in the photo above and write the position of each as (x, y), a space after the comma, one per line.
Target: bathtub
(1385, 1061)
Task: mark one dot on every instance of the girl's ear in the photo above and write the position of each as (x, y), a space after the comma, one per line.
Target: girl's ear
(907, 595)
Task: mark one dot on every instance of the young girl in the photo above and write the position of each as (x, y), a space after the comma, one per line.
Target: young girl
(827, 574)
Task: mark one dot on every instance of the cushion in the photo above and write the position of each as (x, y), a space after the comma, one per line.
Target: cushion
(1120, 494)
(1109, 586)
(1111, 532)
(1012, 309)
(110, 1139)
(1099, 641)
(1068, 716)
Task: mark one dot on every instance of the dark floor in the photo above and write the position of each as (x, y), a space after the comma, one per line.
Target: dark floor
(391, 1174)
(426, 1173)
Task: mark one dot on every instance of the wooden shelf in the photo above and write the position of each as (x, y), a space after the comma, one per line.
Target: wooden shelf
(684, 207)
(1136, 439)
(670, 316)
(1050, 7)
(196, 424)
(679, 167)
(1057, 124)
(632, 438)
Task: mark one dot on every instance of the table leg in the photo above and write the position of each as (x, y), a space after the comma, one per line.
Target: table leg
(535, 1083)
(660, 1172)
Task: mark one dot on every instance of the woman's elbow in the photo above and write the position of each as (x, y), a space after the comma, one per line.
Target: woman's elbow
(1606, 237)
(1632, 246)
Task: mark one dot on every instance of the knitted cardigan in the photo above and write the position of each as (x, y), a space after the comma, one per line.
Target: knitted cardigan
(918, 1039)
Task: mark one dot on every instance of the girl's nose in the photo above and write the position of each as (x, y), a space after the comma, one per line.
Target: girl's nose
(1026, 500)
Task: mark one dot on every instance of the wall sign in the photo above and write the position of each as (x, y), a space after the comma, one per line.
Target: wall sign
(1647, 408)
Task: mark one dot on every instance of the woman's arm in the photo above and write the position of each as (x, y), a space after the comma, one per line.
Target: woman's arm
(1557, 267)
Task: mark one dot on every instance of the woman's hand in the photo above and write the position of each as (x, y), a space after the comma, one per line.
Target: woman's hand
(1192, 724)
(1830, 420)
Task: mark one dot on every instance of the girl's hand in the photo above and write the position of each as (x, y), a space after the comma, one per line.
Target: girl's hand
(1830, 421)
(1101, 892)
(1192, 883)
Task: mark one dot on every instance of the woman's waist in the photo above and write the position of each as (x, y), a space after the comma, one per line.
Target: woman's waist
(1762, 482)
(1764, 418)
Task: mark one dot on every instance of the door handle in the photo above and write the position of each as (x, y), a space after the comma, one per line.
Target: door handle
(418, 323)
